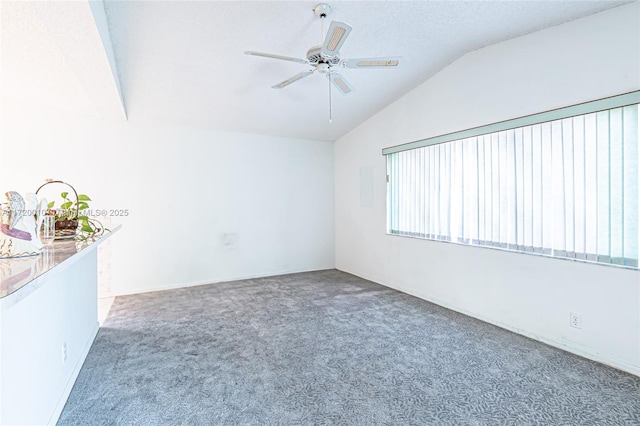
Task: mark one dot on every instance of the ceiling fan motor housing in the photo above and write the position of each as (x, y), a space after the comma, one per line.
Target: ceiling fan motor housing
(315, 56)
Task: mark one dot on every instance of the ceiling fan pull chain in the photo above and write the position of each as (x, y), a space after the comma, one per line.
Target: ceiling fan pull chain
(330, 117)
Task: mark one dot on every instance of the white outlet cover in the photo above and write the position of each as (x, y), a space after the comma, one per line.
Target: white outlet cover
(575, 320)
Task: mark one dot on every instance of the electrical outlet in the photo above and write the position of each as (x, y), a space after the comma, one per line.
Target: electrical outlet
(575, 320)
(64, 352)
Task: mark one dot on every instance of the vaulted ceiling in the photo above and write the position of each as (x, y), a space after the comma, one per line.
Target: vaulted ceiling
(182, 62)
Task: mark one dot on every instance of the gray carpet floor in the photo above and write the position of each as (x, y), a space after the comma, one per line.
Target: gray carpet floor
(329, 348)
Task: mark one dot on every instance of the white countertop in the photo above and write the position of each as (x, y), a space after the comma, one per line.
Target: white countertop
(17, 273)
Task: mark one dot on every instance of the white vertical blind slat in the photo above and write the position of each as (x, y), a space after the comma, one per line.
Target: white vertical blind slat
(569, 185)
(616, 185)
(558, 231)
(488, 190)
(631, 117)
(447, 192)
(472, 193)
(495, 189)
(579, 176)
(518, 165)
(503, 179)
(603, 181)
(536, 168)
(527, 193)
(547, 224)
(590, 182)
(481, 191)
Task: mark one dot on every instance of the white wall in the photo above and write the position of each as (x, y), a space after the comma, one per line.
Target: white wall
(45, 337)
(184, 188)
(583, 60)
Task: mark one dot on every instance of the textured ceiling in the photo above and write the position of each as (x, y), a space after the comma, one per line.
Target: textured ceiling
(182, 62)
(52, 56)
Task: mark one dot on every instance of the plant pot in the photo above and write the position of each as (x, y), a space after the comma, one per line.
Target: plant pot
(66, 228)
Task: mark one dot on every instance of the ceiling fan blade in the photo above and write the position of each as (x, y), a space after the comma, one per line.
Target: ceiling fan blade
(283, 58)
(386, 62)
(336, 36)
(340, 83)
(293, 79)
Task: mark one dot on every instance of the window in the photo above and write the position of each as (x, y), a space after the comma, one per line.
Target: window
(556, 183)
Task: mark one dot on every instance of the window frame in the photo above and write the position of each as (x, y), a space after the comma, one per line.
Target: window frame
(618, 101)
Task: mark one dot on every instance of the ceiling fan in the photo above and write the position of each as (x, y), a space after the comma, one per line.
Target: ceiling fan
(325, 58)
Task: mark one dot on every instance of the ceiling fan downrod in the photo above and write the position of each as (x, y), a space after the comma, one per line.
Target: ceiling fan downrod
(322, 10)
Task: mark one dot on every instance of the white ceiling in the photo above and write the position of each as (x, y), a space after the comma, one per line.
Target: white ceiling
(182, 62)
(52, 56)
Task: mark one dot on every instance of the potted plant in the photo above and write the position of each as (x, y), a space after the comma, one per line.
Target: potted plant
(70, 217)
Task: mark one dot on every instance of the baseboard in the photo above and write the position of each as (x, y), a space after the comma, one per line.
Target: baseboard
(55, 416)
(207, 282)
(576, 350)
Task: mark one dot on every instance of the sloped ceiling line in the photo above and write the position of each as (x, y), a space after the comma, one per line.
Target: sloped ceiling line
(57, 58)
(100, 19)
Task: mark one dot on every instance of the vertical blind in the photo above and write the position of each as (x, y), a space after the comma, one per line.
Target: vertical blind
(565, 188)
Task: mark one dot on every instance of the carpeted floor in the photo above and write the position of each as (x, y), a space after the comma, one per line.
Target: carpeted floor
(329, 348)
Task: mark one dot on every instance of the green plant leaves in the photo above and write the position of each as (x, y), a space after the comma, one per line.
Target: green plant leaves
(89, 228)
(85, 225)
